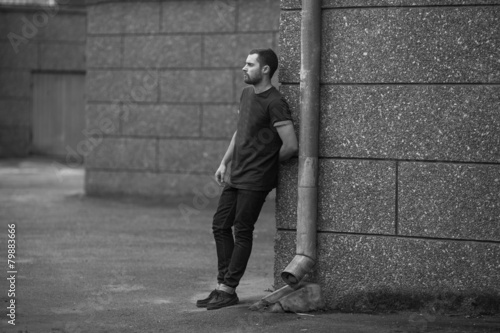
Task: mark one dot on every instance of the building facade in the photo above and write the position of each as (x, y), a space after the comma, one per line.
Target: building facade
(409, 167)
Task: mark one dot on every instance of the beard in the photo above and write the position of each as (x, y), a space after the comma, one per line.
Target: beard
(252, 80)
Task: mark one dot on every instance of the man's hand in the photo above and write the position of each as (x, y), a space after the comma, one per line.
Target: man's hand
(221, 171)
(219, 174)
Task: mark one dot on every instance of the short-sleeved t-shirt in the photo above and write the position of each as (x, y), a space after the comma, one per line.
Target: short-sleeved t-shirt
(255, 159)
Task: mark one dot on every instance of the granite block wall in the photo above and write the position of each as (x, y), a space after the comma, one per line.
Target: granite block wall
(33, 39)
(409, 170)
(166, 77)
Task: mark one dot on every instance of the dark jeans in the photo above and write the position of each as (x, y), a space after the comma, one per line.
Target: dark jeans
(239, 209)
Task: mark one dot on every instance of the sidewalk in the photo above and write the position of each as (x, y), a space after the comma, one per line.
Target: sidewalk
(134, 265)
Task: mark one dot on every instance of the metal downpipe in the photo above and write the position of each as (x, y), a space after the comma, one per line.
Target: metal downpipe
(307, 203)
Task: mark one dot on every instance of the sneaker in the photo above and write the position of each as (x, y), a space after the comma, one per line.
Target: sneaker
(222, 300)
(202, 303)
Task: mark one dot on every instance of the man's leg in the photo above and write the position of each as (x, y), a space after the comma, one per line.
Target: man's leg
(223, 234)
(248, 207)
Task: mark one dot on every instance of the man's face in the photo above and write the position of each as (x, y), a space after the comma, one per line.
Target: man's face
(252, 72)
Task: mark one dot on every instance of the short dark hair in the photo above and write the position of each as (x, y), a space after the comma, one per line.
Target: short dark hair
(267, 57)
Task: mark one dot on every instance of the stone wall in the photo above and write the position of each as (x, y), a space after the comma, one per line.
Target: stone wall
(33, 39)
(409, 184)
(163, 85)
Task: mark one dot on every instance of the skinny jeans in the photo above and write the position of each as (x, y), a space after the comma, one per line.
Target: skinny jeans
(239, 210)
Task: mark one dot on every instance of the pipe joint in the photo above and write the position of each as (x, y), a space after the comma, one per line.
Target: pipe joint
(297, 269)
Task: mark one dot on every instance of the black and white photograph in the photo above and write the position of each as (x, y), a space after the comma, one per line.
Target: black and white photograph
(240, 166)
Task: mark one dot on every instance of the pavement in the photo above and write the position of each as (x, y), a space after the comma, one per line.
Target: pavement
(115, 264)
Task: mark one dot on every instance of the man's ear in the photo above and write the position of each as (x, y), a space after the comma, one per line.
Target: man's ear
(266, 69)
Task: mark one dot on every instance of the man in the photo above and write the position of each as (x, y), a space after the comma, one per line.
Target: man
(264, 137)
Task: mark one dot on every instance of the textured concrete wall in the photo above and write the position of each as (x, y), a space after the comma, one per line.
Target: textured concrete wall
(166, 76)
(409, 184)
(33, 39)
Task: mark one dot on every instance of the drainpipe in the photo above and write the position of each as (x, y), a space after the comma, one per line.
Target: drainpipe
(307, 203)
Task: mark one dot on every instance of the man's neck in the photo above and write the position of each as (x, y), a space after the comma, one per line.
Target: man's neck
(262, 86)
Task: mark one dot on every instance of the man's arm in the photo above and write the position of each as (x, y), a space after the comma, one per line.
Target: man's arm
(290, 146)
(228, 156)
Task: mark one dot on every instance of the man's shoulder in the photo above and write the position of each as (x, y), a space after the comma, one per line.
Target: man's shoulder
(274, 92)
(276, 97)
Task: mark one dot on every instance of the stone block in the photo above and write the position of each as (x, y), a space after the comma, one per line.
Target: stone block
(162, 51)
(297, 4)
(198, 16)
(104, 51)
(388, 3)
(196, 86)
(415, 45)
(15, 84)
(104, 19)
(116, 18)
(62, 56)
(357, 196)
(103, 117)
(15, 113)
(123, 154)
(99, 182)
(162, 121)
(191, 156)
(15, 141)
(122, 85)
(140, 17)
(290, 4)
(18, 56)
(449, 201)
(252, 17)
(290, 41)
(377, 273)
(231, 50)
(353, 196)
(219, 121)
(424, 122)
(64, 26)
(400, 45)
(359, 272)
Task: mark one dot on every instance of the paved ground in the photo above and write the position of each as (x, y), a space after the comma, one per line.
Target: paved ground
(133, 265)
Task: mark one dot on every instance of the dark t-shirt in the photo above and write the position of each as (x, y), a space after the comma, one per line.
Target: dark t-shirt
(255, 159)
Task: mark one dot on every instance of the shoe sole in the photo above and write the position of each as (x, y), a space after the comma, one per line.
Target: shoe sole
(216, 307)
(202, 305)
